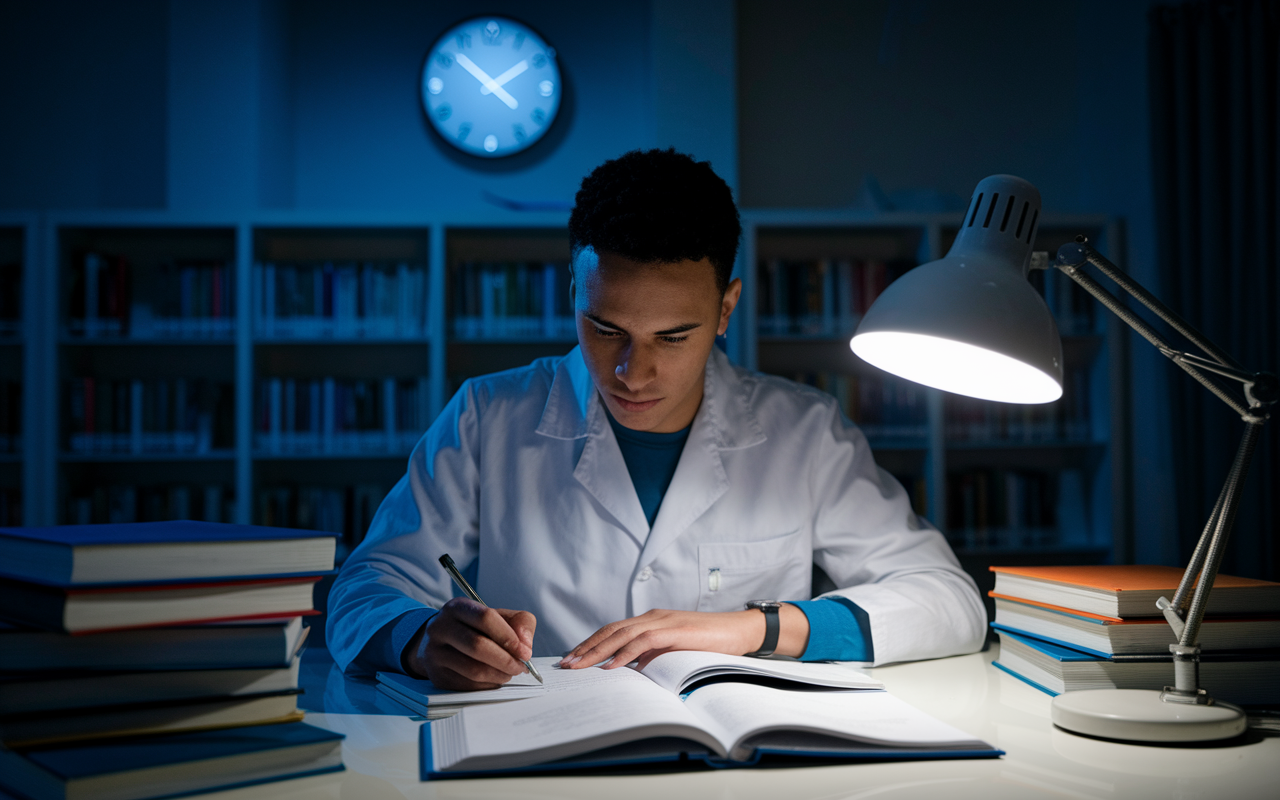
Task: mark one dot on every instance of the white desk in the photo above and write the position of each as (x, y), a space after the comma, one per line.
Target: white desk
(381, 756)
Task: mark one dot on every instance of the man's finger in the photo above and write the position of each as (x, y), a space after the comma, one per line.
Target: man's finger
(523, 623)
(490, 623)
(475, 670)
(610, 647)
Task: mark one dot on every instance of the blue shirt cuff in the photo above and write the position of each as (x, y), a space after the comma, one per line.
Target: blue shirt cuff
(385, 649)
(839, 630)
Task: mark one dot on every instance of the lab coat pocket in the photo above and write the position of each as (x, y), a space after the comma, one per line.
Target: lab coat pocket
(732, 573)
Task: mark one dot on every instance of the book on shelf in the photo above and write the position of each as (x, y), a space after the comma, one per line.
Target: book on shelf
(676, 672)
(1007, 508)
(721, 724)
(87, 555)
(88, 610)
(819, 298)
(884, 407)
(10, 416)
(495, 300)
(1108, 636)
(147, 767)
(152, 416)
(968, 419)
(339, 300)
(1243, 677)
(125, 503)
(29, 692)
(329, 415)
(137, 719)
(1130, 590)
(99, 296)
(263, 644)
(185, 299)
(344, 510)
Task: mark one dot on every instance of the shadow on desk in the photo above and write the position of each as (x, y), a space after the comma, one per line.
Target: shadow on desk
(326, 689)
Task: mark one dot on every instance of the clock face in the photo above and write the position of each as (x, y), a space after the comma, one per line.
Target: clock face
(491, 86)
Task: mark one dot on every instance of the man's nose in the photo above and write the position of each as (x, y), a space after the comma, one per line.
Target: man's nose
(636, 369)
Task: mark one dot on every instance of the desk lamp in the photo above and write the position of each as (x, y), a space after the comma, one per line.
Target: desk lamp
(971, 323)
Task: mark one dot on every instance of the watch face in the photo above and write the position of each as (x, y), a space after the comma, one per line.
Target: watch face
(491, 86)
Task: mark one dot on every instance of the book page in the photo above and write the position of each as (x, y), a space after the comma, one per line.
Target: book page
(563, 724)
(677, 670)
(745, 711)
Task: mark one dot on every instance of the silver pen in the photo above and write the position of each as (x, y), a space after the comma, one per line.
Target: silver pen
(452, 569)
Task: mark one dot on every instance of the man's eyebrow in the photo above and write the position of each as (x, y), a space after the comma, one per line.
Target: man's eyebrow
(688, 326)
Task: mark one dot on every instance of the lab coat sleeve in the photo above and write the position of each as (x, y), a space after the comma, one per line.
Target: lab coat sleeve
(432, 510)
(892, 564)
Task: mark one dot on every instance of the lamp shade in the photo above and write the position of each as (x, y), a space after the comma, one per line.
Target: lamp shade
(971, 323)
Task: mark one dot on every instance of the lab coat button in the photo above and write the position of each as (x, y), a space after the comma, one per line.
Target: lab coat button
(645, 574)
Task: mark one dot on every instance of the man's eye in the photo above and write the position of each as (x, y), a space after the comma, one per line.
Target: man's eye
(674, 339)
(607, 333)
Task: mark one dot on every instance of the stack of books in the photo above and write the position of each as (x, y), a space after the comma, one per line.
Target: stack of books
(1065, 629)
(149, 659)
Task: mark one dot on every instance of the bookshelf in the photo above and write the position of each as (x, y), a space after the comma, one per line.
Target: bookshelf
(1007, 484)
(306, 398)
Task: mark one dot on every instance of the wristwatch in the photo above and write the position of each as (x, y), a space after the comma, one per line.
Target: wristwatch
(770, 609)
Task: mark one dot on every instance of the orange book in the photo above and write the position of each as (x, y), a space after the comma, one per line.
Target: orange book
(1125, 591)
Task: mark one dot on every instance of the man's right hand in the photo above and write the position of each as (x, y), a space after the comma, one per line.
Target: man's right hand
(469, 646)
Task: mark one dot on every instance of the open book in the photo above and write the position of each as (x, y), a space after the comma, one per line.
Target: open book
(676, 672)
(721, 724)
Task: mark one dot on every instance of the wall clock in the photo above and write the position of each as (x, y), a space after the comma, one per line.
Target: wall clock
(491, 86)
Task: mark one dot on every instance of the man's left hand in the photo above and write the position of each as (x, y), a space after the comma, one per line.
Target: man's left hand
(659, 631)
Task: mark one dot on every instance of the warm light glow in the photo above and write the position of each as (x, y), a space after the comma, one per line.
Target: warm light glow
(955, 367)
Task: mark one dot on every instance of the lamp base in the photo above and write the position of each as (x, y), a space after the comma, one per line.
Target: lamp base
(1137, 715)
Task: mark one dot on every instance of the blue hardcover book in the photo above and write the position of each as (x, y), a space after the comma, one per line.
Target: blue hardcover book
(638, 723)
(158, 552)
(1247, 677)
(150, 767)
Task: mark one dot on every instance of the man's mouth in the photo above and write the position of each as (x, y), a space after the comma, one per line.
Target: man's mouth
(633, 406)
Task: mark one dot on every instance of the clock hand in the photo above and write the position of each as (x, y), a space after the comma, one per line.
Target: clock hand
(502, 79)
(488, 82)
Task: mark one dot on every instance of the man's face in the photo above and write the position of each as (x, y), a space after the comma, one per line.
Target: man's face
(646, 331)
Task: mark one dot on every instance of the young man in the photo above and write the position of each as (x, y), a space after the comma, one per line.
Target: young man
(633, 496)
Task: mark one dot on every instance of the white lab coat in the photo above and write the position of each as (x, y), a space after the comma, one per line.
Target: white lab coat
(522, 472)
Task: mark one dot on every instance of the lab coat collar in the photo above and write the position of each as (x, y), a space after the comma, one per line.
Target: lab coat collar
(573, 404)
(724, 421)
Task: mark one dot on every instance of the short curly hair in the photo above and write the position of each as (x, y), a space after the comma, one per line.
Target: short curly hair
(658, 206)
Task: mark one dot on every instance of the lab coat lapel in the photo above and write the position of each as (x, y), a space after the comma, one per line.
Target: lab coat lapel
(574, 411)
(724, 422)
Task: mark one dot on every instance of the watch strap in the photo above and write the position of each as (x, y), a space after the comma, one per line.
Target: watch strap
(772, 627)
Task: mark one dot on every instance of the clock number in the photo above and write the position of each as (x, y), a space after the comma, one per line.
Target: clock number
(518, 42)
(464, 40)
(464, 130)
(518, 131)
(444, 60)
(539, 116)
(539, 61)
(444, 111)
(492, 31)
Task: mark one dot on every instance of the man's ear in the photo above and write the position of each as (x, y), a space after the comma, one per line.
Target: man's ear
(728, 303)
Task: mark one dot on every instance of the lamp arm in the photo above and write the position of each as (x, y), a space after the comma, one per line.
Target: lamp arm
(1261, 391)
(1073, 256)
